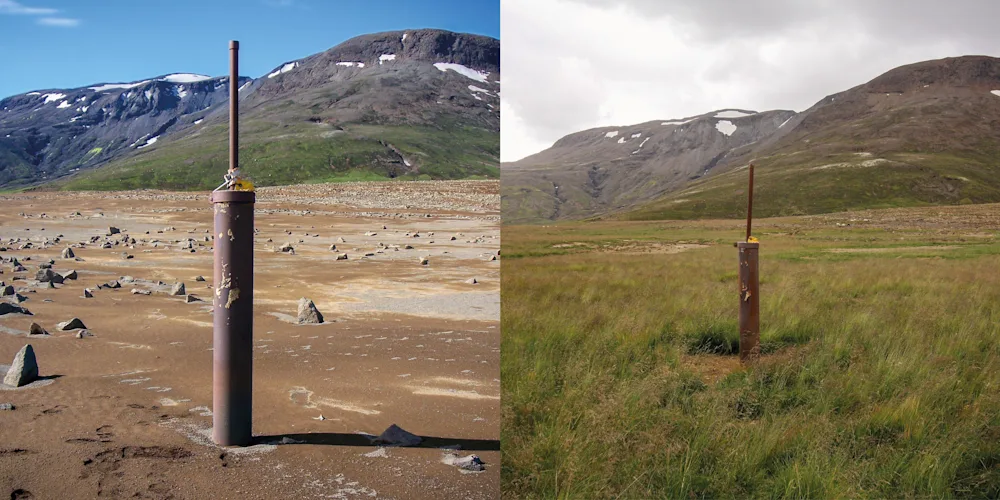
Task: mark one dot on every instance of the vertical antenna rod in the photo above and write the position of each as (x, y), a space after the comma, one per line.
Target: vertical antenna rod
(234, 104)
(750, 203)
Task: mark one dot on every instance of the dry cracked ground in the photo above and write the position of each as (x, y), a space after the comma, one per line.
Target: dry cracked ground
(126, 412)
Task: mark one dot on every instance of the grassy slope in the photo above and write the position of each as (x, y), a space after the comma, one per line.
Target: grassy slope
(271, 154)
(879, 379)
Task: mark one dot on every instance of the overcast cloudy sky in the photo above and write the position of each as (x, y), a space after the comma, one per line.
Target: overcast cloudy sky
(570, 65)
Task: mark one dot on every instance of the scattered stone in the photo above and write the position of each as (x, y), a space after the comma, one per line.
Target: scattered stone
(287, 248)
(7, 308)
(178, 289)
(408, 247)
(113, 284)
(6, 407)
(114, 230)
(191, 298)
(84, 333)
(308, 314)
(48, 275)
(87, 293)
(333, 248)
(126, 256)
(36, 329)
(472, 281)
(19, 298)
(73, 324)
(136, 291)
(470, 463)
(24, 369)
(199, 278)
(7, 291)
(342, 256)
(396, 436)
(71, 275)
(424, 261)
(68, 253)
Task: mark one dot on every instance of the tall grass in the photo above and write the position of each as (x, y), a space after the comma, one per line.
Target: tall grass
(881, 373)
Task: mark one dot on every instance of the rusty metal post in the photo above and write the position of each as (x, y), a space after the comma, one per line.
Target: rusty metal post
(232, 386)
(749, 286)
(749, 318)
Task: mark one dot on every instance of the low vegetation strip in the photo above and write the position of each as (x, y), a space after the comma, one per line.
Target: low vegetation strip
(878, 378)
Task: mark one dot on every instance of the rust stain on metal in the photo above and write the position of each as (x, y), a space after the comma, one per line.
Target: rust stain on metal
(234, 295)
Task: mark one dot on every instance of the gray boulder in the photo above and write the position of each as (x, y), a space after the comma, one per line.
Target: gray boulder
(24, 369)
(36, 329)
(73, 324)
(396, 436)
(308, 314)
(177, 289)
(8, 308)
(68, 253)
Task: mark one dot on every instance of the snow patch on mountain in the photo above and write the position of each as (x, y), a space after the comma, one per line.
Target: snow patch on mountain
(284, 69)
(725, 126)
(731, 113)
(465, 71)
(149, 142)
(611, 134)
(111, 86)
(63, 105)
(995, 92)
(184, 78)
(53, 97)
(678, 122)
(351, 63)
(386, 57)
(640, 145)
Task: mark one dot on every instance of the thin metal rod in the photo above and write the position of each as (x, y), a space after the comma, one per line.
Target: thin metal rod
(234, 105)
(749, 203)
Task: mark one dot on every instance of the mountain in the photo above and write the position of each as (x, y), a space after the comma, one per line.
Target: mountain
(402, 104)
(609, 168)
(921, 134)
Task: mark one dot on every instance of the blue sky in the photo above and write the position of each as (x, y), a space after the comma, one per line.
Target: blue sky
(71, 43)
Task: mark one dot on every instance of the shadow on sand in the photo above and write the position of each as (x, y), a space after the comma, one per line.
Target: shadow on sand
(340, 439)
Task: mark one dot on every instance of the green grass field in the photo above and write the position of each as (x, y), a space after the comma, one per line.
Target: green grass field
(880, 376)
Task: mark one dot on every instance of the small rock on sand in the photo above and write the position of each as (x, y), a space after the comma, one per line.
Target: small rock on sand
(472, 281)
(36, 329)
(87, 293)
(199, 278)
(308, 314)
(191, 298)
(68, 253)
(7, 308)
(342, 256)
(6, 407)
(84, 333)
(71, 275)
(114, 230)
(424, 261)
(73, 324)
(469, 463)
(24, 370)
(396, 436)
(178, 289)
(7, 291)
(136, 291)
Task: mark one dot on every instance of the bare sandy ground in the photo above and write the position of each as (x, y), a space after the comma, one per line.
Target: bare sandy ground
(127, 412)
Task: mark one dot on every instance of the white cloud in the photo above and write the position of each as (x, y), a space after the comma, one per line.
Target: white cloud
(570, 65)
(62, 22)
(12, 7)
